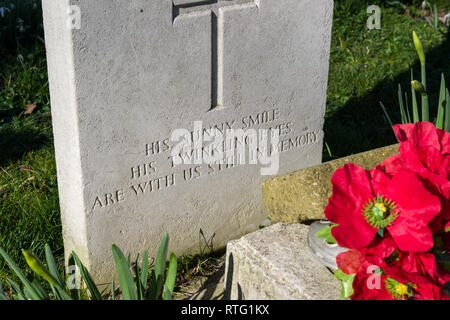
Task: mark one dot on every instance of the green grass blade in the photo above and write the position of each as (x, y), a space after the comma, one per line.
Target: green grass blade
(2, 293)
(330, 154)
(436, 16)
(441, 105)
(126, 280)
(447, 111)
(408, 115)
(144, 270)
(55, 293)
(90, 284)
(19, 292)
(158, 271)
(386, 114)
(416, 116)
(63, 295)
(113, 289)
(429, 22)
(51, 263)
(27, 284)
(41, 290)
(401, 104)
(171, 277)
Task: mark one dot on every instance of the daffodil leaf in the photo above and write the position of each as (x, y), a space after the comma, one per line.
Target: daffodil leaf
(347, 283)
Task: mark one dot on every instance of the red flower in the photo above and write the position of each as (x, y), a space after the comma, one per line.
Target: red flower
(423, 135)
(381, 252)
(423, 264)
(365, 201)
(395, 284)
(425, 151)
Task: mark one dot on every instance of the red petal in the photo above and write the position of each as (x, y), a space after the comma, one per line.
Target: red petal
(370, 287)
(392, 164)
(351, 189)
(349, 261)
(416, 206)
(444, 138)
(420, 134)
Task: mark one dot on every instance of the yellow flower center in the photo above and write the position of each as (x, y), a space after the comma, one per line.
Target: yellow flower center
(379, 209)
(401, 289)
(380, 212)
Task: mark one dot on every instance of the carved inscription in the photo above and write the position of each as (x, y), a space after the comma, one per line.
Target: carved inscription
(156, 171)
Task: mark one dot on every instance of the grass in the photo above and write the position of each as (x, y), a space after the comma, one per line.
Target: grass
(365, 67)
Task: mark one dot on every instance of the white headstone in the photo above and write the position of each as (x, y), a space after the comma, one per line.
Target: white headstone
(126, 74)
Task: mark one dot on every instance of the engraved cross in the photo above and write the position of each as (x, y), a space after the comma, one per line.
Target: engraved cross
(183, 7)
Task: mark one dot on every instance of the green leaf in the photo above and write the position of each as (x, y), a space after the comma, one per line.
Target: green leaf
(171, 277)
(113, 289)
(386, 114)
(139, 288)
(144, 270)
(38, 267)
(27, 284)
(19, 292)
(408, 116)
(436, 16)
(429, 22)
(402, 106)
(380, 232)
(325, 233)
(421, 53)
(441, 106)
(41, 290)
(127, 285)
(167, 295)
(158, 271)
(51, 263)
(447, 111)
(90, 284)
(416, 116)
(2, 293)
(347, 283)
(419, 48)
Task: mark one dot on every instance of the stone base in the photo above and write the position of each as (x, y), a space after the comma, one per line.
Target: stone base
(276, 263)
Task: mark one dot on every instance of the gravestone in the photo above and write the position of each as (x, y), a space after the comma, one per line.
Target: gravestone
(125, 75)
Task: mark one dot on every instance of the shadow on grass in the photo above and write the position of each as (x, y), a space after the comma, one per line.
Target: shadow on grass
(19, 137)
(360, 124)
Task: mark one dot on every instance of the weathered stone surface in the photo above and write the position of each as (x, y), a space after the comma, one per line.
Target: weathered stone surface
(276, 263)
(137, 70)
(302, 196)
